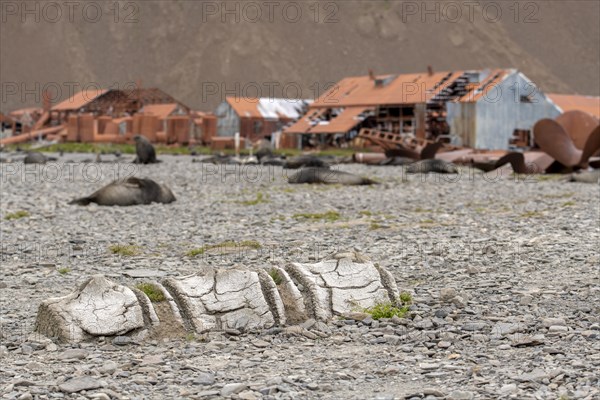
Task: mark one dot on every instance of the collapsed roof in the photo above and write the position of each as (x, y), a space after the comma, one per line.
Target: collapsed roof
(268, 108)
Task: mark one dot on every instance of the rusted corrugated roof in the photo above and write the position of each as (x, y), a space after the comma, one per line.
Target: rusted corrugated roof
(162, 111)
(343, 122)
(479, 90)
(305, 123)
(79, 100)
(567, 102)
(402, 89)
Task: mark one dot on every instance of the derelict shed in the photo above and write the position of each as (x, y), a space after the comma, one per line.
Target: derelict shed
(471, 108)
(490, 116)
(115, 101)
(257, 118)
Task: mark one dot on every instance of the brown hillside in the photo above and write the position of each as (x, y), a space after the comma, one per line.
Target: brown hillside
(185, 50)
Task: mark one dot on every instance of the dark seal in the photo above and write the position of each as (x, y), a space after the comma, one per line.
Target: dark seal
(432, 165)
(328, 176)
(128, 192)
(144, 151)
(35, 158)
(305, 161)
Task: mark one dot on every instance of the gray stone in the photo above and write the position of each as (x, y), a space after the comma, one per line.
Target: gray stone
(447, 294)
(507, 389)
(429, 366)
(548, 322)
(525, 300)
(474, 326)
(460, 395)
(433, 392)
(204, 378)
(558, 328)
(99, 396)
(109, 367)
(537, 375)
(122, 340)
(232, 388)
(75, 385)
(73, 354)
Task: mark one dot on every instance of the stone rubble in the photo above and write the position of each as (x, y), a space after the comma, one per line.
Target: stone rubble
(520, 253)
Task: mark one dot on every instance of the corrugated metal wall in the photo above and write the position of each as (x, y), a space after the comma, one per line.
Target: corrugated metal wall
(502, 110)
(228, 122)
(490, 122)
(461, 119)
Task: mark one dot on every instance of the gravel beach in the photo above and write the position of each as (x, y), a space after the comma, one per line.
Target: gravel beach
(503, 271)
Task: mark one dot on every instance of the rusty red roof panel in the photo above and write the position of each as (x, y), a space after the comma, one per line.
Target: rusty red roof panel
(567, 102)
(304, 124)
(485, 87)
(245, 106)
(401, 89)
(79, 100)
(343, 122)
(162, 111)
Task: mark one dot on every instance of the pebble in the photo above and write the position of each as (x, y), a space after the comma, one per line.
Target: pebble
(460, 395)
(474, 326)
(204, 378)
(73, 354)
(548, 322)
(509, 388)
(75, 385)
(108, 367)
(429, 366)
(122, 340)
(232, 388)
(99, 396)
(447, 294)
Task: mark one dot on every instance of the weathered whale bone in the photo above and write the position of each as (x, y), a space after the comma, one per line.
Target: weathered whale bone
(219, 300)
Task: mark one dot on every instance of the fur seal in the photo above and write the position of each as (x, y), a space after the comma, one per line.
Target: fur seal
(586, 176)
(397, 161)
(217, 159)
(427, 152)
(144, 151)
(128, 192)
(328, 176)
(263, 148)
(277, 161)
(33, 157)
(432, 165)
(305, 161)
(515, 159)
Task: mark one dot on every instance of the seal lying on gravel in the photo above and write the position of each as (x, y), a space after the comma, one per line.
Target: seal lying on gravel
(432, 165)
(144, 151)
(329, 176)
(586, 176)
(516, 160)
(305, 161)
(128, 192)
(36, 158)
